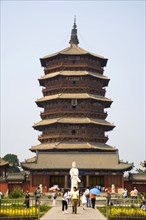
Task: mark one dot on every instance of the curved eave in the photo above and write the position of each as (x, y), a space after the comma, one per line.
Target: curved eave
(73, 96)
(72, 146)
(3, 163)
(122, 169)
(73, 50)
(92, 161)
(73, 121)
(43, 78)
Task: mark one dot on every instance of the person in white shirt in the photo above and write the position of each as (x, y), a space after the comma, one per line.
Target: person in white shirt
(84, 200)
(125, 193)
(87, 193)
(64, 202)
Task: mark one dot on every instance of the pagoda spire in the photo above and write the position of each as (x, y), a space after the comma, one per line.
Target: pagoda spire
(74, 37)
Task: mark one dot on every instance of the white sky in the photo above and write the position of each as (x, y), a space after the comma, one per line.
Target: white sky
(33, 29)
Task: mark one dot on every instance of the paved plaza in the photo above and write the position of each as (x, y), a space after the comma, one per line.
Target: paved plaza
(55, 213)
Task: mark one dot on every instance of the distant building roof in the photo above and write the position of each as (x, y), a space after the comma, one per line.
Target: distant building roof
(15, 177)
(3, 162)
(137, 176)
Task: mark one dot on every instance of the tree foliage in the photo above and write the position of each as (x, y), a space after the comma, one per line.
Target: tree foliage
(13, 163)
(141, 170)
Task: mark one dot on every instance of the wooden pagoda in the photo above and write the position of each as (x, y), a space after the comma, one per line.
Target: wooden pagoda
(73, 122)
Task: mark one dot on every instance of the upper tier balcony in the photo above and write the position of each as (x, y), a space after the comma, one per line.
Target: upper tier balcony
(56, 113)
(72, 64)
(69, 137)
(73, 89)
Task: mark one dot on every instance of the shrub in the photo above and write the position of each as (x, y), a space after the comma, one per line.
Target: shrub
(44, 208)
(17, 193)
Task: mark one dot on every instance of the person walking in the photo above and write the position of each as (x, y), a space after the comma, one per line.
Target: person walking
(54, 195)
(74, 200)
(27, 202)
(93, 197)
(68, 197)
(125, 193)
(142, 202)
(64, 202)
(132, 194)
(108, 196)
(37, 195)
(84, 200)
(136, 193)
(87, 193)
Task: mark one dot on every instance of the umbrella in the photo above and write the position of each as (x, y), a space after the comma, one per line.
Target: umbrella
(95, 191)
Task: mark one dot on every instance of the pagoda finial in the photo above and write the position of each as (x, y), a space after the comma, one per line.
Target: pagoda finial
(74, 37)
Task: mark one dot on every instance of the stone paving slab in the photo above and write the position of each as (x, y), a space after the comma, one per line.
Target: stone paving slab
(55, 213)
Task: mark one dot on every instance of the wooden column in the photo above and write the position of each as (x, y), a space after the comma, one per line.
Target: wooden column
(87, 180)
(66, 181)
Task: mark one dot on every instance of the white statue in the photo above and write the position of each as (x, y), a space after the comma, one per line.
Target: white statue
(41, 188)
(113, 188)
(74, 172)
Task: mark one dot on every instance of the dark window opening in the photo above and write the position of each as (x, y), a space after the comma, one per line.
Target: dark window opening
(73, 132)
(74, 107)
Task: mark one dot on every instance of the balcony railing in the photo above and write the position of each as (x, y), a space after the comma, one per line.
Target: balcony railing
(80, 137)
(53, 113)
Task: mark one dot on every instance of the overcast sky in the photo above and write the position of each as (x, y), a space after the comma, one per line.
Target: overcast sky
(33, 29)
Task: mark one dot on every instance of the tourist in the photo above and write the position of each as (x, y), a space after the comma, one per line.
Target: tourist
(68, 197)
(74, 200)
(108, 197)
(125, 193)
(54, 195)
(133, 196)
(93, 198)
(79, 200)
(37, 195)
(27, 202)
(87, 193)
(143, 202)
(136, 193)
(64, 202)
(84, 200)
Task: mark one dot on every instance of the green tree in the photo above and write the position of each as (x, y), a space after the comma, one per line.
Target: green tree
(13, 163)
(140, 171)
